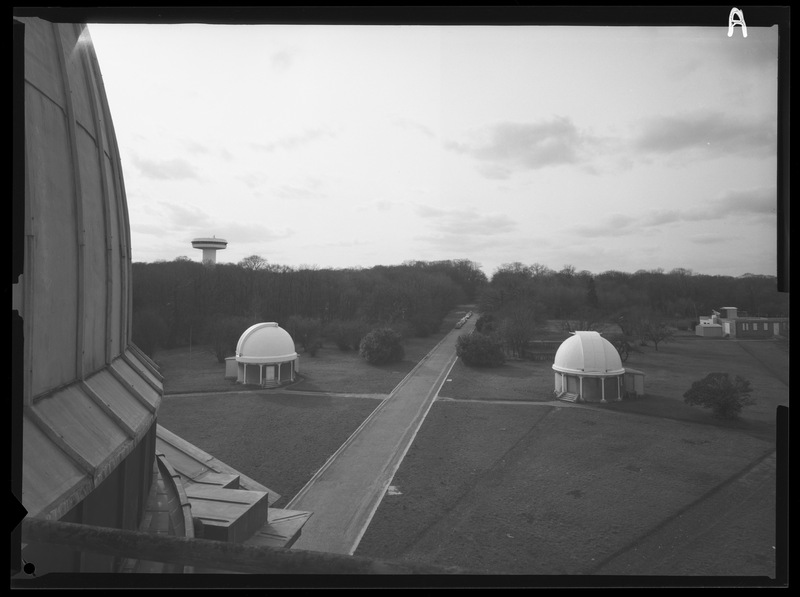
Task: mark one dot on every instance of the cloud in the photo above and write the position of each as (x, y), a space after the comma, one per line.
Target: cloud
(195, 147)
(759, 51)
(508, 146)
(251, 234)
(458, 245)
(282, 60)
(174, 169)
(755, 201)
(150, 229)
(714, 133)
(293, 141)
(668, 216)
(292, 193)
(495, 171)
(180, 217)
(615, 225)
(412, 125)
(758, 204)
(305, 188)
(430, 212)
(385, 205)
(179, 220)
(380, 205)
(505, 148)
(755, 55)
(708, 239)
(253, 180)
(466, 223)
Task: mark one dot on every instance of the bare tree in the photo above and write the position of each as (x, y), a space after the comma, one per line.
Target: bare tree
(253, 262)
(517, 328)
(656, 332)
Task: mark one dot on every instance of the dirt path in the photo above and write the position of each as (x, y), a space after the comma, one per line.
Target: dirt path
(345, 493)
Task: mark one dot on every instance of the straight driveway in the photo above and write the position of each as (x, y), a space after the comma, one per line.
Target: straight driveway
(345, 493)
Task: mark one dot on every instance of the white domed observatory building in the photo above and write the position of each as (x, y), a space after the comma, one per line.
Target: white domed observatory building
(265, 355)
(588, 369)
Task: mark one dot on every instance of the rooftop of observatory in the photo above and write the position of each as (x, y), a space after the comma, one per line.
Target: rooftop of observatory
(209, 243)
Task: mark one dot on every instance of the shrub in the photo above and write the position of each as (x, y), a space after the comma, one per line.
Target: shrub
(346, 334)
(725, 397)
(305, 331)
(480, 350)
(336, 331)
(382, 345)
(485, 324)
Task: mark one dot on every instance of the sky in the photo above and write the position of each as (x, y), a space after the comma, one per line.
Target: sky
(338, 146)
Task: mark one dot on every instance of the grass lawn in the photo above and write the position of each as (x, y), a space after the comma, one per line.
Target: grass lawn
(541, 490)
(278, 439)
(559, 489)
(330, 370)
(669, 372)
(500, 479)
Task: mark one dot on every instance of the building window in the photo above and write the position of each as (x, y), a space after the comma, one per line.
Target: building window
(766, 326)
(744, 327)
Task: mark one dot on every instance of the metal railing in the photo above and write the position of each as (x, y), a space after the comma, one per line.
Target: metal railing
(208, 554)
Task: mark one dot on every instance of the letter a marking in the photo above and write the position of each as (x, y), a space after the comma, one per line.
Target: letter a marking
(733, 22)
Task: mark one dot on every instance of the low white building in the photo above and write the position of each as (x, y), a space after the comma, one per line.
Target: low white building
(714, 326)
(266, 356)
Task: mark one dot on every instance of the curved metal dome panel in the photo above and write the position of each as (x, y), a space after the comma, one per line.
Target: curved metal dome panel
(588, 353)
(91, 397)
(76, 295)
(265, 343)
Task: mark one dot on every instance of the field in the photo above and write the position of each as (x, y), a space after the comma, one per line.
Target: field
(500, 479)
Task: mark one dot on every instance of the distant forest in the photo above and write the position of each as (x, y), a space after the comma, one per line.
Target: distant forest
(177, 303)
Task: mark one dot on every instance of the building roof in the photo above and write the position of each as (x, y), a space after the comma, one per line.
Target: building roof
(587, 353)
(74, 438)
(265, 343)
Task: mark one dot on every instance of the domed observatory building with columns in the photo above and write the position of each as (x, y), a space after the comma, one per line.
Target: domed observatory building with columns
(588, 369)
(265, 355)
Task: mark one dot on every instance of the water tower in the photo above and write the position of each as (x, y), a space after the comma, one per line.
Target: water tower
(210, 247)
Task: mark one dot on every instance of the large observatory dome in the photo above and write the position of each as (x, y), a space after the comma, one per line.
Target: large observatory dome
(265, 343)
(588, 353)
(90, 397)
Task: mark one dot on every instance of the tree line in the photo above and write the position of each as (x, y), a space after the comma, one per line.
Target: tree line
(676, 295)
(181, 302)
(177, 303)
(644, 306)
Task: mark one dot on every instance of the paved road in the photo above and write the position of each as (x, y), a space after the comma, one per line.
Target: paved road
(345, 493)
